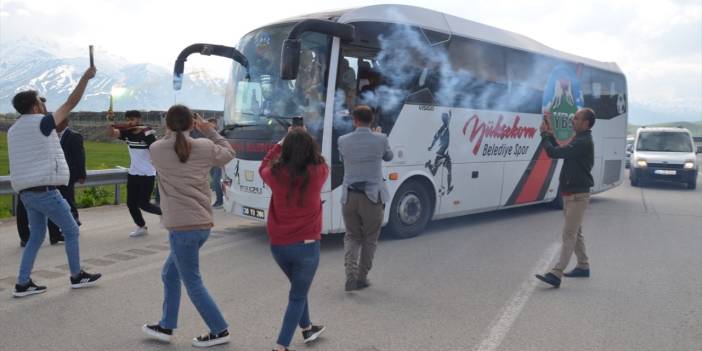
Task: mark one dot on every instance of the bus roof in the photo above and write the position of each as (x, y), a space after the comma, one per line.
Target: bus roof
(441, 22)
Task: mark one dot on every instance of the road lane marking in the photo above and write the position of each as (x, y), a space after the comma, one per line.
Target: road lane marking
(509, 313)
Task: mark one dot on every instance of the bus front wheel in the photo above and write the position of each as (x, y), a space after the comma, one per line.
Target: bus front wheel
(410, 210)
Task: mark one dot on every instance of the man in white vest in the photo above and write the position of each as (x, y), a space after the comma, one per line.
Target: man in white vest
(37, 167)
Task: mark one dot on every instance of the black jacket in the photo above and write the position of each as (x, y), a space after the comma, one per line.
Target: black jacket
(73, 150)
(578, 157)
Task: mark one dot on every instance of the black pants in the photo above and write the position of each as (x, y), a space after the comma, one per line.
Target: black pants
(68, 193)
(139, 190)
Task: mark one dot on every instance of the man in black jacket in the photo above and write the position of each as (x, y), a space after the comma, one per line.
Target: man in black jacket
(73, 150)
(575, 183)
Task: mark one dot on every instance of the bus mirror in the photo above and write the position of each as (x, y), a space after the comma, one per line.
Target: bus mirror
(207, 50)
(290, 59)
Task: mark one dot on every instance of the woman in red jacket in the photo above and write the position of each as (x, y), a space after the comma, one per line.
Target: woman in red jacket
(295, 172)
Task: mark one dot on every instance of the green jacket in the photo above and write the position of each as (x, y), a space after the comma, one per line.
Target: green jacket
(578, 157)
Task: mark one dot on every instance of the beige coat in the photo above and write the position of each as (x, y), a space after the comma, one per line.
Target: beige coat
(184, 187)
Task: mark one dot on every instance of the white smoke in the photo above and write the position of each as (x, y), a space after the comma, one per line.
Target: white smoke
(408, 62)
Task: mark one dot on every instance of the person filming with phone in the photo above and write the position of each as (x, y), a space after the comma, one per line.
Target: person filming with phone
(295, 171)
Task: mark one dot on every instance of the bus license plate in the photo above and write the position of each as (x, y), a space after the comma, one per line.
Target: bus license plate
(253, 212)
(664, 172)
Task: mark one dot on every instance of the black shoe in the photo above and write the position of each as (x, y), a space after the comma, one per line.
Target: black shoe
(578, 273)
(59, 240)
(84, 279)
(363, 283)
(28, 289)
(313, 333)
(549, 278)
(23, 243)
(351, 285)
(155, 331)
(210, 339)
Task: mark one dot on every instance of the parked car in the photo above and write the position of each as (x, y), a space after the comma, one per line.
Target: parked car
(666, 154)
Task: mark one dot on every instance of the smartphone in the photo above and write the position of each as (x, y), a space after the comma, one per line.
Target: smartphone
(92, 62)
(297, 122)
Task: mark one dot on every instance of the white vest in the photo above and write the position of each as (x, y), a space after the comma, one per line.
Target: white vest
(35, 159)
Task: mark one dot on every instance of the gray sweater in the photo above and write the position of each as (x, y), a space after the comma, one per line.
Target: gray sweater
(363, 153)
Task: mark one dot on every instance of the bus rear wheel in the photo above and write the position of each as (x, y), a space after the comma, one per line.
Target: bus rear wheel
(410, 211)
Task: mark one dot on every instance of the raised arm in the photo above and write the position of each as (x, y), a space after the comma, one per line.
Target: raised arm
(62, 112)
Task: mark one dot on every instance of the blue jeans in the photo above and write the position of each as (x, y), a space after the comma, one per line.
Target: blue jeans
(40, 206)
(183, 264)
(299, 263)
(216, 174)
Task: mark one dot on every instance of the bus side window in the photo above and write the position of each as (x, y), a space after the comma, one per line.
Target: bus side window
(480, 68)
(605, 92)
(527, 74)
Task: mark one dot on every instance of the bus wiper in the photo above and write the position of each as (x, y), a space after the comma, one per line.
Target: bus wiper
(235, 126)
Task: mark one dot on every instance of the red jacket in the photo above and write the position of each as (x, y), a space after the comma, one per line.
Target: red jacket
(288, 223)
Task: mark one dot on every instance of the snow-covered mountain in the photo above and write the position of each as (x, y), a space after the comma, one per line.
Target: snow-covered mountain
(55, 71)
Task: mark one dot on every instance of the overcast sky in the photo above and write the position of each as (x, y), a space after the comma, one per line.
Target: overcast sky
(658, 44)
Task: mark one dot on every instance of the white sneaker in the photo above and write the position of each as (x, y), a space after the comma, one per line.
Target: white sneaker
(140, 231)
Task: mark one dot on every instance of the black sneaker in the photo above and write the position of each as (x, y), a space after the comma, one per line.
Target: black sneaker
(58, 240)
(313, 333)
(363, 283)
(550, 278)
(84, 279)
(210, 339)
(28, 289)
(578, 273)
(155, 331)
(351, 285)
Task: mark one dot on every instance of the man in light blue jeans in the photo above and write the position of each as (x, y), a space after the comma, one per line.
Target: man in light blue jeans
(37, 167)
(41, 205)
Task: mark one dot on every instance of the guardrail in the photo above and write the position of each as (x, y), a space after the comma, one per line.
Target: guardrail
(115, 176)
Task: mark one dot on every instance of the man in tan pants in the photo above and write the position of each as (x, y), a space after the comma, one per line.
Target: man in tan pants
(364, 195)
(575, 182)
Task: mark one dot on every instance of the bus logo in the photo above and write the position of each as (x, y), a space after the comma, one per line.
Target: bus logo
(562, 98)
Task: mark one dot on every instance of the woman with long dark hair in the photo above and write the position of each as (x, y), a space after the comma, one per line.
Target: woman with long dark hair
(183, 166)
(295, 172)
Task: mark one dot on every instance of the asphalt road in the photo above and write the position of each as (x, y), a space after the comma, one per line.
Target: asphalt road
(465, 284)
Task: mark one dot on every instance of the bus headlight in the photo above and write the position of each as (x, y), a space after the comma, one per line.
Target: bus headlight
(689, 165)
(641, 163)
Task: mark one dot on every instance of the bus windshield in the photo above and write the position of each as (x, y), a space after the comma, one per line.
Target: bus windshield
(262, 105)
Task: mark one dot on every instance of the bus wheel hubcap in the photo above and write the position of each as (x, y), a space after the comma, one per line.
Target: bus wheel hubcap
(410, 209)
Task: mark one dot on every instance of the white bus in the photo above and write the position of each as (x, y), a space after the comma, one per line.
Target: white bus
(461, 103)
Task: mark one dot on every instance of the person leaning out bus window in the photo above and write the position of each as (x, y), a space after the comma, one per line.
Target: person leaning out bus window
(295, 171)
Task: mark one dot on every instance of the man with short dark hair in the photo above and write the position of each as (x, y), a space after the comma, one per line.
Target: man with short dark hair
(37, 167)
(575, 183)
(142, 175)
(364, 194)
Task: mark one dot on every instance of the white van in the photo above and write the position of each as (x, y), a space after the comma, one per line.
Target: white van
(666, 154)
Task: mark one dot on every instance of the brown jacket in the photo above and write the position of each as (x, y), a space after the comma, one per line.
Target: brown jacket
(184, 187)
